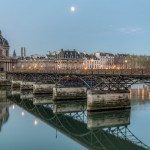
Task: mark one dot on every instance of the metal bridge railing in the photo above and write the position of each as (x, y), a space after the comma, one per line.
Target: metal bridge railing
(88, 71)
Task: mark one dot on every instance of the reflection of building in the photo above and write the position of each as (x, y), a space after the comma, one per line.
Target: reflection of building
(6, 62)
(4, 113)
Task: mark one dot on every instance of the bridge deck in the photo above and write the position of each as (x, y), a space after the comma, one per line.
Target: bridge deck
(88, 72)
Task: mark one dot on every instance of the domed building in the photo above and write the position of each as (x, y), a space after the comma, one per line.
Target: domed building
(4, 46)
(6, 62)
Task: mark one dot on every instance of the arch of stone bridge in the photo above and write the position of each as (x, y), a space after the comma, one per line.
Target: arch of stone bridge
(93, 139)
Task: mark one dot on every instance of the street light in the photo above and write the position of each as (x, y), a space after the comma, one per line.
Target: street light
(92, 60)
(83, 64)
(13, 67)
(22, 67)
(58, 66)
(126, 63)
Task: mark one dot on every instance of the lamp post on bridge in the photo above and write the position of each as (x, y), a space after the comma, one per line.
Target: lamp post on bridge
(126, 63)
(13, 67)
(92, 60)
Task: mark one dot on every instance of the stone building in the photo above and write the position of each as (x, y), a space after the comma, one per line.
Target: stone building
(4, 46)
(99, 61)
(68, 60)
(35, 65)
(68, 54)
(6, 62)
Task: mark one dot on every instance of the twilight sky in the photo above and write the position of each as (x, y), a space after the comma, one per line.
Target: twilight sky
(115, 26)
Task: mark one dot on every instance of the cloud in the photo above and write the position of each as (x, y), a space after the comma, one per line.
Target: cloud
(130, 30)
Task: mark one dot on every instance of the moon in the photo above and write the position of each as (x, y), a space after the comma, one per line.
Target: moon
(72, 9)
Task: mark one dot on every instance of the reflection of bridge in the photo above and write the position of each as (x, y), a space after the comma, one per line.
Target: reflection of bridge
(111, 79)
(74, 126)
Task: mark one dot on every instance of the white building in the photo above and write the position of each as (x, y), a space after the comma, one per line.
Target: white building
(99, 61)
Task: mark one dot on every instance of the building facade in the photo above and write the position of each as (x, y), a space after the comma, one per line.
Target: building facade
(99, 61)
(58, 60)
(4, 46)
(6, 63)
(35, 65)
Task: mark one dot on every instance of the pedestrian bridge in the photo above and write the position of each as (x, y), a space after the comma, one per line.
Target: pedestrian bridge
(103, 79)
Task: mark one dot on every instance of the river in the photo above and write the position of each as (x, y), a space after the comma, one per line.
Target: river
(38, 123)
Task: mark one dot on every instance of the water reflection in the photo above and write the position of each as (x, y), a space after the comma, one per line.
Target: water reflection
(140, 95)
(42, 99)
(4, 107)
(4, 112)
(26, 94)
(69, 107)
(96, 131)
(108, 119)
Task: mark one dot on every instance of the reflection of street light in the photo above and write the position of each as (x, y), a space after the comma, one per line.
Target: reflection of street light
(126, 63)
(13, 106)
(22, 113)
(35, 122)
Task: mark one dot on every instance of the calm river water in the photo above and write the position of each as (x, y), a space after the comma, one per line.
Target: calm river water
(36, 123)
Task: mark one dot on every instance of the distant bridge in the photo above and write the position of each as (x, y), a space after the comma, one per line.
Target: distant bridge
(103, 79)
(72, 125)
